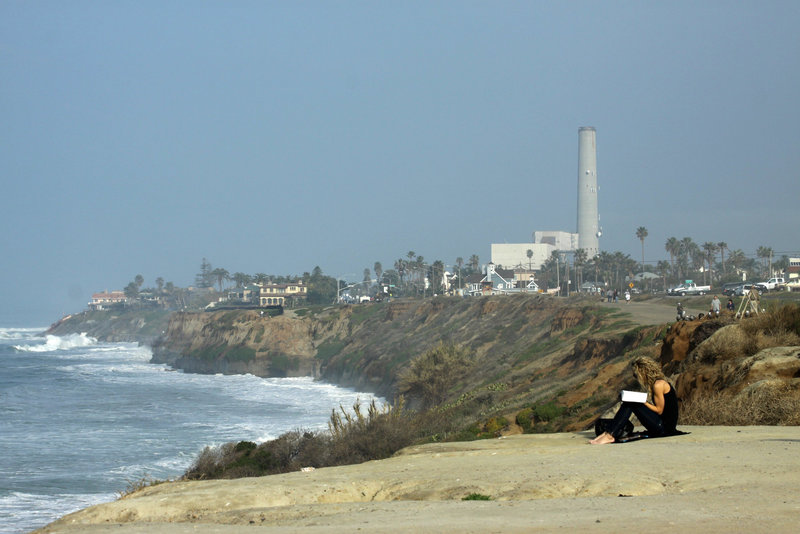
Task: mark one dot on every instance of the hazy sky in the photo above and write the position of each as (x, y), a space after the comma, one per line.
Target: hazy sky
(140, 137)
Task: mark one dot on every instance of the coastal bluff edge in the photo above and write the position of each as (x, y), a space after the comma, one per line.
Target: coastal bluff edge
(711, 480)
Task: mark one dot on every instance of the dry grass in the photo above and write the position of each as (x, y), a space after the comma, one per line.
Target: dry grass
(353, 437)
(769, 402)
(778, 327)
(430, 376)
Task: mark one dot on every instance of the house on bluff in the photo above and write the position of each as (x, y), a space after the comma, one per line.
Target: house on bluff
(268, 295)
(276, 294)
(499, 281)
(107, 299)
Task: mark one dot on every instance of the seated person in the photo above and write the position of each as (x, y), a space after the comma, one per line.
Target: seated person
(659, 418)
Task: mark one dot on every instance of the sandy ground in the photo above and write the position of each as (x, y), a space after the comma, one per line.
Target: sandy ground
(714, 479)
(651, 312)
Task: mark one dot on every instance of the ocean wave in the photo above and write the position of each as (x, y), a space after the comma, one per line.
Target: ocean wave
(20, 511)
(20, 333)
(54, 343)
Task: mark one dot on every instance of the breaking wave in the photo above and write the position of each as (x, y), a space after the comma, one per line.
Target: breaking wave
(54, 343)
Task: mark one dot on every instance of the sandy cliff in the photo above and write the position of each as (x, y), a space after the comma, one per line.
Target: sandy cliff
(712, 480)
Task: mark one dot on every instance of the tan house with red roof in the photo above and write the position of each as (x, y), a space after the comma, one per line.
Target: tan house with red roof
(106, 299)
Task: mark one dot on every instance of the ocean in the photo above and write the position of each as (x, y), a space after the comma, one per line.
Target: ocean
(80, 421)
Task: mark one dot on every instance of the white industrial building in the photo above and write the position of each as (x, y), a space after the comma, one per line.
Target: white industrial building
(515, 255)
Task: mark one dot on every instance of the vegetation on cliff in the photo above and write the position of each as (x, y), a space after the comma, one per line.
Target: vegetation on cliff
(477, 368)
(576, 360)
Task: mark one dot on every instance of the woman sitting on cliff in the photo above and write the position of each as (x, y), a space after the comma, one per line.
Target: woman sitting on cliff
(659, 418)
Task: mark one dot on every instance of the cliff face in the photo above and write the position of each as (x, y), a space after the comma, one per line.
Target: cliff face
(139, 326)
(522, 349)
(233, 342)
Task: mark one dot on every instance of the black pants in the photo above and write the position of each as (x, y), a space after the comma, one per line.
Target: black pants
(649, 419)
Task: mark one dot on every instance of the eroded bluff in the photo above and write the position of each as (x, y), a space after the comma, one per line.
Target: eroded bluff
(524, 345)
(236, 342)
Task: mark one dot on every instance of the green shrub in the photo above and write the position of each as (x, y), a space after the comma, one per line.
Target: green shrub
(495, 425)
(284, 363)
(525, 420)
(329, 349)
(547, 412)
(476, 497)
(430, 376)
(352, 437)
(244, 446)
(241, 354)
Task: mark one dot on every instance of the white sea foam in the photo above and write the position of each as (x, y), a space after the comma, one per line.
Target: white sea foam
(54, 343)
(26, 509)
(127, 419)
(15, 334)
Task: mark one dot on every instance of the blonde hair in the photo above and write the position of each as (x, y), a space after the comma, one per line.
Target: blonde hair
(647, 371)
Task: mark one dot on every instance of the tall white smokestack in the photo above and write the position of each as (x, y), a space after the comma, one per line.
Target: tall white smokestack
(588, 218)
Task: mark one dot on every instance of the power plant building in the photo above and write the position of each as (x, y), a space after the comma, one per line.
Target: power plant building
(515, 255)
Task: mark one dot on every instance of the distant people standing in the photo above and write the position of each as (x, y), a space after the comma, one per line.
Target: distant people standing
(627, 297)
(609, 295)
(730, 305)
(715, 306)
(616, 296)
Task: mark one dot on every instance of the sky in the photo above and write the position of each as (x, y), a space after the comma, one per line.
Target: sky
(139, 137)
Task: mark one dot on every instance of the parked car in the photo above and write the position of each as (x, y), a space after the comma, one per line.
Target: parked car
(730, 289)
(689, 288)
(773, 284)
(744, 289)
(793, 284)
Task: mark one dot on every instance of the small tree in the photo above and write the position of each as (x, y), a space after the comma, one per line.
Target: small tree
(132, 290)
(204, 278)
(430, 376)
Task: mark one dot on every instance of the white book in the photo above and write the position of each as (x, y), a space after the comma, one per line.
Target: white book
(633, 396)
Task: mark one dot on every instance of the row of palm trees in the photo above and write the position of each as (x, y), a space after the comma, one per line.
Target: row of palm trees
(687, 257)
(409, 274)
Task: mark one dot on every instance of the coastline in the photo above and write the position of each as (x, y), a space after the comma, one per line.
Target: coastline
(713, 479)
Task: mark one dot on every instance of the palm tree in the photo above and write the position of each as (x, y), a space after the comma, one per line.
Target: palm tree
(550, 270)
(241, 279)
(782, 264)
(765, 253)
(378, 268)
(579, 259)
(459, 264)
(529, 253)
(474, 262)
(737, 258)
(688, 250)
(673, 247)
(641, 233)
(400, 267)
(419, 268)
(663, 268)
(603, 263)
(437, 274)
(722, 246)
(221, 275)
(710, 250)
